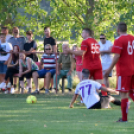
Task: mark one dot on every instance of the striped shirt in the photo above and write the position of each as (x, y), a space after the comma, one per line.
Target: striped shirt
(49, 61)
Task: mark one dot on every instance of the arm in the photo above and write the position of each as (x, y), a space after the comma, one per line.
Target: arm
(115, 60)
(79, 52)
(109, 90)
(9, 62)
(72, 65)
(41, 65)
(73, 100)
(106, 51)
(28, 68)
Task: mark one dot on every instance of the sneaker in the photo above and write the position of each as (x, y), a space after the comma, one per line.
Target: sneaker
(69, 89)
(12, 90)
(42, 88)
(36, 92)
(3, 85)
(29, 91)
(9, 85)
(46, 91)
(120, 120)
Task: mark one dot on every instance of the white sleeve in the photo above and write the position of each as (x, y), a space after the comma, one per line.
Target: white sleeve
(110, 43)
(9, 48)
(100, 46)
(77, 90)
(97, 85)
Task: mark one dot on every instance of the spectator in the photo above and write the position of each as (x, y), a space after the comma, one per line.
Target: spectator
(66, 60)
(4, 29)
(17, 39)
(4, 47)
(13, 68)
(30, 46)
(49, 61)
(49, 40)
(78, 60)
(106, 56)
(26, 67)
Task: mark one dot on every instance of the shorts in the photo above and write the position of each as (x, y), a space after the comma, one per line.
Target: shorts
(3, 67)
(28, 75)
(43, 72)
(96, 105)
(125, 83)
(96, 74)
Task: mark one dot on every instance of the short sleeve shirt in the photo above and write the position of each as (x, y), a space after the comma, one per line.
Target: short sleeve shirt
(88, 91)
(91, 58)
(124, 45)
(50, 41)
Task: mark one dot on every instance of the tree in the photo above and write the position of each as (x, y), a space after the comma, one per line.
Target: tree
(68, 17)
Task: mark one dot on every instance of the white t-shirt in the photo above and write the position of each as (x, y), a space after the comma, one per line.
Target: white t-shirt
(87, 90)
(6, 47)
(106, 59)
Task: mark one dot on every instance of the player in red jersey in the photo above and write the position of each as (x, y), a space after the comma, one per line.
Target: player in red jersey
(91, 55)
(124, 59)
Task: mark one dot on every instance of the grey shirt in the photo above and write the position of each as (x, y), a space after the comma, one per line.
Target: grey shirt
(18, 41)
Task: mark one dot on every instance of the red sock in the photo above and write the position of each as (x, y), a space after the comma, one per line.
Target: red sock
(131, 95)
(124, 108)
(104, 93)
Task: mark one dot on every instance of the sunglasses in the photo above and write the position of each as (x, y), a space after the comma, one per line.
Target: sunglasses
(102, 38)
(48, 49)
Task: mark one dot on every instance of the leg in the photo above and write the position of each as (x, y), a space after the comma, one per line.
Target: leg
(35, 79)
(69, 79)
(48, 79)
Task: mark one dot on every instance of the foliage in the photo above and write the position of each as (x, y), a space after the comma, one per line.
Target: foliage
(68, 17)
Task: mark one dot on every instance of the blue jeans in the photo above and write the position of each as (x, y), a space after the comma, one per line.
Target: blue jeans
(62, 74)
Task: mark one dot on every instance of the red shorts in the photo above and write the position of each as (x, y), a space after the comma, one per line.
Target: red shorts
(125, 83)
(96, 74)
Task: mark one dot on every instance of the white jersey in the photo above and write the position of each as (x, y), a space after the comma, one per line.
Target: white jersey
(87, 90)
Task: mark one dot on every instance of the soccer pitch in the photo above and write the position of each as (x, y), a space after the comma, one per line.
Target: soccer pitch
(51, 115)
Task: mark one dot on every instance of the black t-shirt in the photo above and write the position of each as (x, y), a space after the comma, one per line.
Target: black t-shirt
(50, 41)
(28, 46)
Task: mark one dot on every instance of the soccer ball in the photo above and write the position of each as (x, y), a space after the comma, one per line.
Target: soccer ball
(31, 99)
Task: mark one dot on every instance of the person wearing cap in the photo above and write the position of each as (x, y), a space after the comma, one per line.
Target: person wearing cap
(88, 90)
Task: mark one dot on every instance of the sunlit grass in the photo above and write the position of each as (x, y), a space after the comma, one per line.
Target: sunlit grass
(51, 115)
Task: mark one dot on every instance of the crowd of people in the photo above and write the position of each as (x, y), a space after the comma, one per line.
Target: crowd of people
(94, 60)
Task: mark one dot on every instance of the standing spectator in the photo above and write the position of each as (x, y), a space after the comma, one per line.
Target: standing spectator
(4, 47)
(17, 39)
(78, 60)
(48, 60)
(49, 40)
(106, 56)
(66, 61)
(30, 46)
(124, 59)
(13, 68)
(4, 29)
(26, 68)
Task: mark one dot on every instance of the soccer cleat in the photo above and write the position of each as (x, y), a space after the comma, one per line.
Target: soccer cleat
(2, 85)
(120, 120)
(69, 89)
(36, 92)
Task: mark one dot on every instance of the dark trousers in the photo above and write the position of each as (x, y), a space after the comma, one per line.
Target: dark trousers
(10, 73)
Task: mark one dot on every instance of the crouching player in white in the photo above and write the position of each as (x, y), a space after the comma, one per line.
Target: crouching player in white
(88, 90)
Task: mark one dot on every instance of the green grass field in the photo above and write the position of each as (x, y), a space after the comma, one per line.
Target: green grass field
(51, 115)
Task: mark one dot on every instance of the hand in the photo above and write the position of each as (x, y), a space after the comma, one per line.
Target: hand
(58, 72)
(71, 106)
(20, 74)
(5, 63)
(116, 92)
(107, 72)
(69, 73)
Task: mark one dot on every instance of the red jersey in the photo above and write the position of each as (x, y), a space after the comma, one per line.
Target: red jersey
(91, 59)
(124, 45)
